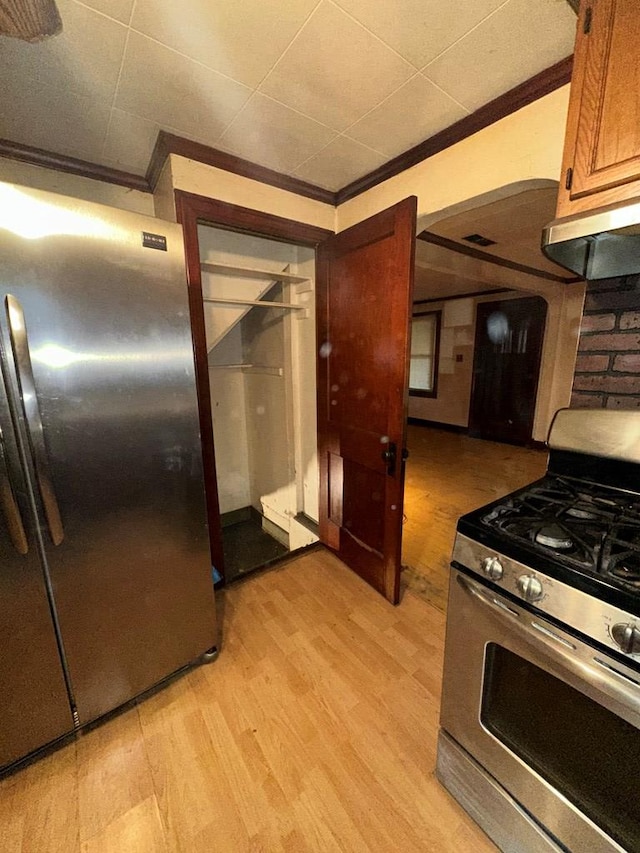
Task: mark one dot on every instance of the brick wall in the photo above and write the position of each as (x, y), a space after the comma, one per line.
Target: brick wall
(607, 371)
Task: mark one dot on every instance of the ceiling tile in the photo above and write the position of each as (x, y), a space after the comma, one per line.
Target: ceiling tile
(166, 87)
(413, 113)
(240, 39)
(57, 120)
(85, 58)
(420, 29)
(118, 9)
(506, 49)
(341, 162)
(273, 135)
(129, 142)
(335, 71)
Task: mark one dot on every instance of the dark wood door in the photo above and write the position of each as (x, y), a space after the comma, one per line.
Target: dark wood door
(603, 128)
(506, 367)
(364, 293)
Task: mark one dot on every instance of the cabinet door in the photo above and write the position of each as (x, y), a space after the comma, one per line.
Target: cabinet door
(603, 132)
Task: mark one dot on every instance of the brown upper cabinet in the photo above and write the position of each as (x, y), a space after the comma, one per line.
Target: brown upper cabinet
(601, 163)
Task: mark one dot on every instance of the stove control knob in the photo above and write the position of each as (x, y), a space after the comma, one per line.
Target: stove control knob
(627, 636)
(492, 567)
(530, 588)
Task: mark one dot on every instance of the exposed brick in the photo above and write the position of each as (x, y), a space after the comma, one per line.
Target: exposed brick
(606, 383)
(629, 402)
(623, 282)
(630, 320)
(592, 363)
(587, 401)
(597, 323)
(610, 342)
(611, 300)
(629, 363)
(604, 285)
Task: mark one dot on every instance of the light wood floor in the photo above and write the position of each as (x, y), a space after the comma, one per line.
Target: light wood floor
(315, 730)
(447, 475)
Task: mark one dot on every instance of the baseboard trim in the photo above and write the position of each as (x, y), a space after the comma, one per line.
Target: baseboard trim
(438, 425)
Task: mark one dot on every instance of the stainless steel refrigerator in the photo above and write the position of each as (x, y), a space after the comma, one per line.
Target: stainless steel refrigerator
(105, 576)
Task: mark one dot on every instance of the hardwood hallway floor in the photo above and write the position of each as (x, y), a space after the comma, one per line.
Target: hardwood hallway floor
(315, 730)
(447, 475)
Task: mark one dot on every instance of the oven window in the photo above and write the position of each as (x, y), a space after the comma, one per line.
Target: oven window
(584, 750)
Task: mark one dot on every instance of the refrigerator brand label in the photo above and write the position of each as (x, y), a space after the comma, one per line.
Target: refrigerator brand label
(154, 241)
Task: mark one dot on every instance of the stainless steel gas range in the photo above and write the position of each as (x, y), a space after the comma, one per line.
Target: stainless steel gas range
(540, 717)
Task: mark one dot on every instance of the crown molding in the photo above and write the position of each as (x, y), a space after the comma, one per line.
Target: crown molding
(83, 168)
(525, 93)
(169, 143)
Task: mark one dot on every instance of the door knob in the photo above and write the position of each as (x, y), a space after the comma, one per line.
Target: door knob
(389, 455)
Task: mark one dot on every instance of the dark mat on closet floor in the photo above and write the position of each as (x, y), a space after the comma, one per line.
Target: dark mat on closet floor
(246, 547)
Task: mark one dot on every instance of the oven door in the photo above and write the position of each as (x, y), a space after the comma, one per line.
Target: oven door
(553, 720)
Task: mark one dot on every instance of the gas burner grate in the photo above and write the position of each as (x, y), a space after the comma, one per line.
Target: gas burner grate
(621, 555)
(582, 526)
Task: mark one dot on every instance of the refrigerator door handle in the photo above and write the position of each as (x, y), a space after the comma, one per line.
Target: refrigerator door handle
(9, 506)
(31, 410)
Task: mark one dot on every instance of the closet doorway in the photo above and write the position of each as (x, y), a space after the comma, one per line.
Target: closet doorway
(252, 297)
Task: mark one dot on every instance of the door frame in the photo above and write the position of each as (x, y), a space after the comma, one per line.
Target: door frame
(193, 210)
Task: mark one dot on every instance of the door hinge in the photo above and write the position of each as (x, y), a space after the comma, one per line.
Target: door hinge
(569, 179)
(588, 15)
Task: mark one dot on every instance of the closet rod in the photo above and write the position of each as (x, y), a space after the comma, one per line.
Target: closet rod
(263, 304)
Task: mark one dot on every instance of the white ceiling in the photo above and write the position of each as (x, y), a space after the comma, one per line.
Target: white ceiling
(325, 91)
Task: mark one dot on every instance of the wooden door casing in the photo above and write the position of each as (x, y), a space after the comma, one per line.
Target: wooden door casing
(192, 209)
(601, 163)
(364, 293)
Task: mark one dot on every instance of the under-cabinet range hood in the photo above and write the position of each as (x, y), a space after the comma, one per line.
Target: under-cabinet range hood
(602, 243)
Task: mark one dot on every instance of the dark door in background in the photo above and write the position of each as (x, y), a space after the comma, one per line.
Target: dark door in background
(506, 368)
(364, 294)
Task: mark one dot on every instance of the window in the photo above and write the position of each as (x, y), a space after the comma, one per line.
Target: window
(425, 339)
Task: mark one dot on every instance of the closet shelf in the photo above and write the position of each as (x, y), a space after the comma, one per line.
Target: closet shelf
(253, 368)
(256, 303)
(250, 272)
(229, 366)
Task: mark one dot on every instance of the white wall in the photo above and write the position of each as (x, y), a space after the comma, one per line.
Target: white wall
(194, 177)
(526, 145)
(228, 409)
(75, 186)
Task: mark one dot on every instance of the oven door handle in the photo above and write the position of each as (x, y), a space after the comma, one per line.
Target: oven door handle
(577, 659)
(486, 598)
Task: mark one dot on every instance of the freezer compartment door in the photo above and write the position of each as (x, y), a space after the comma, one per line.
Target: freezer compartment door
(34, 704)
(105, 367)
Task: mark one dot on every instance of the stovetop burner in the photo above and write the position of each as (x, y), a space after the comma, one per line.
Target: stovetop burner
(578, 525)
(553, 536)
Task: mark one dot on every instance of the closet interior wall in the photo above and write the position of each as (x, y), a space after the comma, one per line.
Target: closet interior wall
(263, 380)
